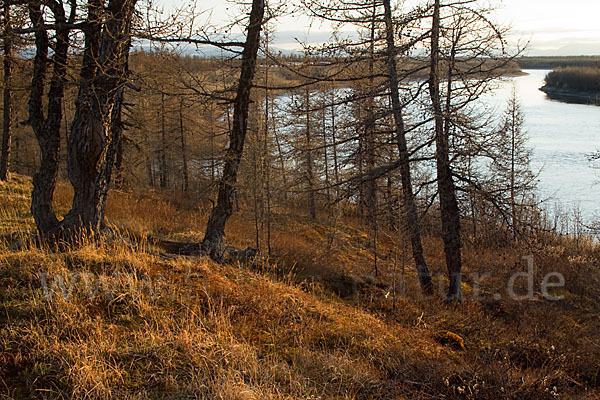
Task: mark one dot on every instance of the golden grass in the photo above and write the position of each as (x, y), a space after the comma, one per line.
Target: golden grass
(140, 325)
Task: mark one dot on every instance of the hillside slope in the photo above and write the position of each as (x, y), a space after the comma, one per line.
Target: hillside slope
(116, 318)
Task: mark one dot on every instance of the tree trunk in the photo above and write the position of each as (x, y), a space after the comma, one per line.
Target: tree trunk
(7, 122)
(47, 128)
(115, 150)
(392, 205)
(336, 174)
(163, 147)
(266, 151)
(472, 200)
(361, 168)
(118, 133)
(310, 176)
(450, 213)
(371, 195)
(513, 205)
(282, 165)
(149, 171)
(257, 182)
(213, 161)
(410, 208)
(186, 183)
(215, 229)
(90, 155)
(326, 158)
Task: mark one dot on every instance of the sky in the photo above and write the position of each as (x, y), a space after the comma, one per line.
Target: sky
(553, 27)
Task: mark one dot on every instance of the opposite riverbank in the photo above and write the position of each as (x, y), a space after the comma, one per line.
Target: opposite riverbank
(577, 84)
(571, 96)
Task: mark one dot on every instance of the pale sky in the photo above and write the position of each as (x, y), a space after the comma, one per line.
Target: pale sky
(554, 27)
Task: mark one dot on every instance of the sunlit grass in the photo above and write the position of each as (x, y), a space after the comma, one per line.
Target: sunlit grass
(141, 324)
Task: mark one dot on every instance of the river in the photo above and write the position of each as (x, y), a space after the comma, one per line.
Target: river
(561, 135)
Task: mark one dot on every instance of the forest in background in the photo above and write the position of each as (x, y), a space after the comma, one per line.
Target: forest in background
(574, 84)
(582, 79)
(549, 62)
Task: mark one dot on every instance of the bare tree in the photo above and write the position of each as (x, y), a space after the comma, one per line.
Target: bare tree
(514, 181)
(266, 148)
(215, 229)
(410, 209)
(163, 141)
(450, 212)
(468, 52)
(308, 151)
(47, 127)
(184, 166)
(103, 75)
(6, 98)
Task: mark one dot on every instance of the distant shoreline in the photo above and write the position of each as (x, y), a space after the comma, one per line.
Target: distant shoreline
(555, 62)
(572, 96)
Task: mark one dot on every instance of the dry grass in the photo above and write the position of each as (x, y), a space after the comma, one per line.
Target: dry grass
(140, 325)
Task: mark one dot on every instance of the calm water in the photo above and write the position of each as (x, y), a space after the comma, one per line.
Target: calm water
(561, 136)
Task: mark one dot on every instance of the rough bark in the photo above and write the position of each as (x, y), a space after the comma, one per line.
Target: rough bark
(47, 127)
(90, 158)
(410, 208)
(215, 229)
(7, 106)
(450, 213)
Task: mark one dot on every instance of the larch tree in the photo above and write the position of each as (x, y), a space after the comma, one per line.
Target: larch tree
(410, 209)
(511, 165)
(7, 46)
(46, 126)
(450, 213)
(373, 58)
(92, 142)
(215, 229)
(184, 155)
(467, 53)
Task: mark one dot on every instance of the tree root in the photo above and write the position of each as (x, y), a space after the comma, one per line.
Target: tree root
(178, 248)
(21, 241)
(230, 254)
